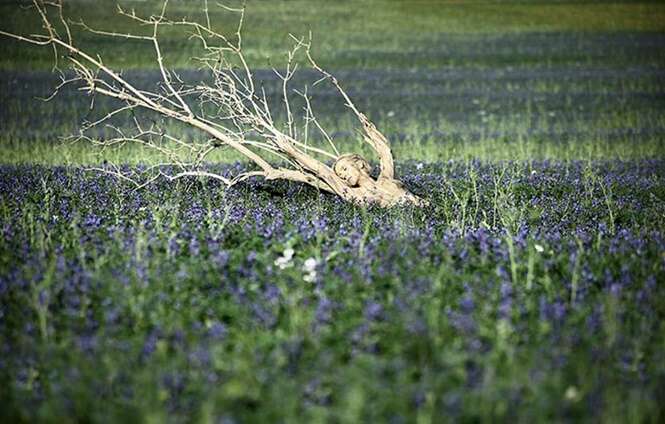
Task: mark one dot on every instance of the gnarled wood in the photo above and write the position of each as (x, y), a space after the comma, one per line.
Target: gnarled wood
(243, 113)
(361, 188)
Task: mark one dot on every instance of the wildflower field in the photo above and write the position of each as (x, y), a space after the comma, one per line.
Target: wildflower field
(531, 288)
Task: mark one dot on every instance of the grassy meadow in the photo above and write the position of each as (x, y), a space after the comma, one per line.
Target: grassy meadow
(498, 81)
(532, 288)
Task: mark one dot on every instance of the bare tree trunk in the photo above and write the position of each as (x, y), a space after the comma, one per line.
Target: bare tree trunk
(243, 112)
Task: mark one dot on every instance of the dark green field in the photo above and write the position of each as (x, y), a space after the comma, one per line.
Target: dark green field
(531, 289)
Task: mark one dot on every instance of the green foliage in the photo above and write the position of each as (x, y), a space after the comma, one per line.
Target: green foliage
(378, 33)
(511, 298)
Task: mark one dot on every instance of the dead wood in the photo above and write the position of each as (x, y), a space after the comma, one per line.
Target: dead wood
(243, 121)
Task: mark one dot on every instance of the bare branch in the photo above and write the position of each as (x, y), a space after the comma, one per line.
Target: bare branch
(240, 119)
(372, 135)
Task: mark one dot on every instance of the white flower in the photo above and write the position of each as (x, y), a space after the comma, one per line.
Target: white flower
(282, 262)
(285, 260)
(309, 265)
(309, 268)
(572, 393)
(288, 253)
(539, 248)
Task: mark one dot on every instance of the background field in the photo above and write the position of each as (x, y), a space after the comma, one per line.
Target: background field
(444, 80)
(531, 289)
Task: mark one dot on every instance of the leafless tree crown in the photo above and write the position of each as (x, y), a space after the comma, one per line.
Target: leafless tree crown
(242, 119)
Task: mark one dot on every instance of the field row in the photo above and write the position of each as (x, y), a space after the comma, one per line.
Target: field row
(561, 112)
(381, 34)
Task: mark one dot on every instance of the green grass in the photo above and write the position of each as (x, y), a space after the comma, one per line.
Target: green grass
(344, 31)
(427, 150)
(535, 86)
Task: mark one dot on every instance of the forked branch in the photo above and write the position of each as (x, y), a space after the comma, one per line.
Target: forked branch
(240, 119)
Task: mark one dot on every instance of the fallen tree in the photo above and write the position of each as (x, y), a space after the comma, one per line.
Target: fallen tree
(242, 119)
